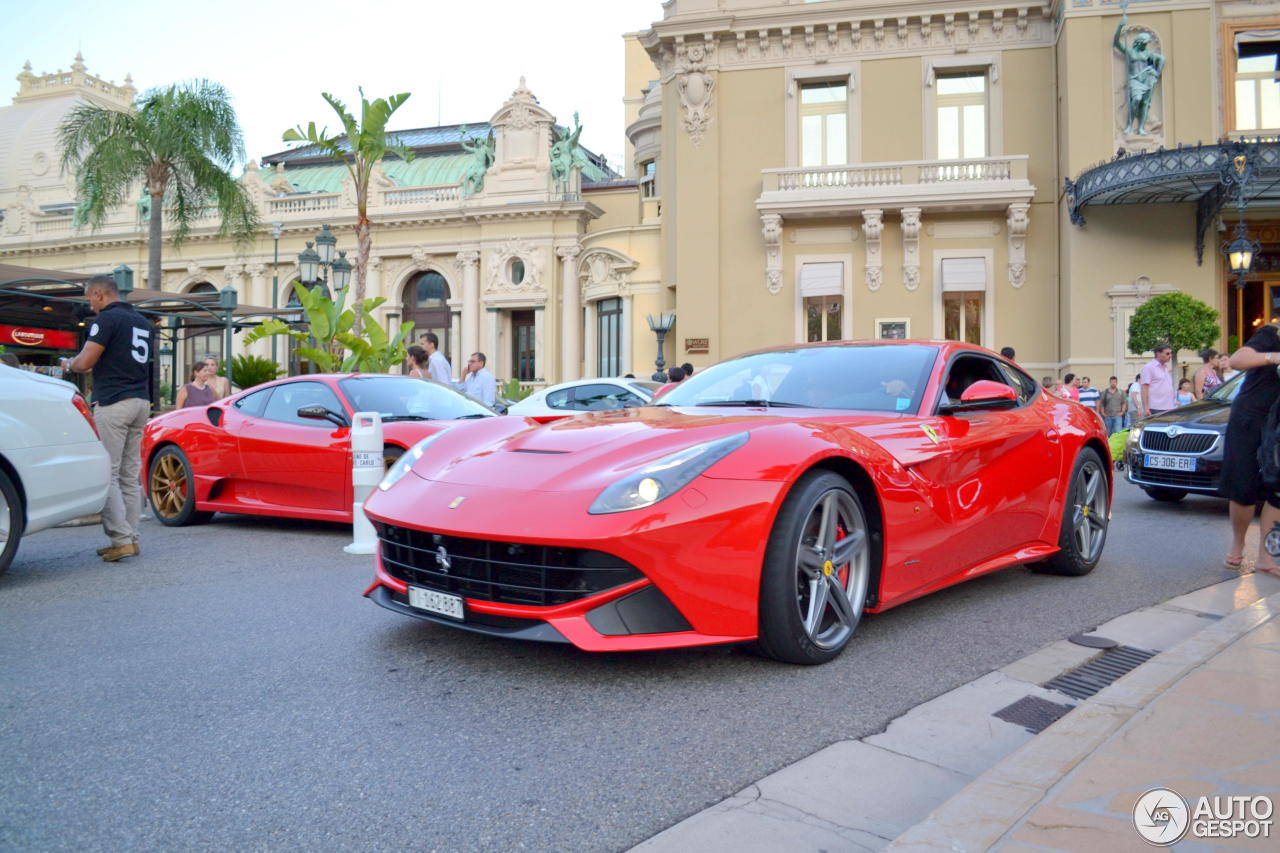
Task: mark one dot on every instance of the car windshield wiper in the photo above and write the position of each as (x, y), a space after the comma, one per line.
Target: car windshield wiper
(766, 404)
(469, 417)
(387, 418)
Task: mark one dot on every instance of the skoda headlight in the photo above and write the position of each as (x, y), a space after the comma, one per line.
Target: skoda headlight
(406, 461)
(1135, 433)
(663, 478)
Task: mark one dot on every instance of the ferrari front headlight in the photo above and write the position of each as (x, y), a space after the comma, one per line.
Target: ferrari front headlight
(663, 478)
(405, 463)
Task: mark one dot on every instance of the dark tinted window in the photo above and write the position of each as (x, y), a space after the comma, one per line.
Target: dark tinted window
(600, 398)
(288, 398)
(251, 404)
(407, 398)
(558, 399)
(870, 377)
(965, 370)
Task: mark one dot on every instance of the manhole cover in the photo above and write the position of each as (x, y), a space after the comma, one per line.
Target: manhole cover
(1033, 713)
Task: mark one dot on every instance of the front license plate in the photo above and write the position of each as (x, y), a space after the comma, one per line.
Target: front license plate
(441, 603)
(1170, 463)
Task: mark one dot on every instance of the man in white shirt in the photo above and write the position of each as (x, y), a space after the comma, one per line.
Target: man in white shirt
(437, 365)
(478, 382)
(1135, 402)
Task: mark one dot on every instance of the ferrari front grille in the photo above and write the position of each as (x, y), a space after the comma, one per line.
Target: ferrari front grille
(504, 572)
(1158, 441)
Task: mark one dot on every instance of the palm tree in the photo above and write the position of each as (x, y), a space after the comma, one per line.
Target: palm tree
(182, 141)
(360, 148)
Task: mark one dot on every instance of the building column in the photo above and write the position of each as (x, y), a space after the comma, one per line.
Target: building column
(373, 278)
(468, 264)
(540, 372)
(495, 361)
(571, 314)
(258, 297)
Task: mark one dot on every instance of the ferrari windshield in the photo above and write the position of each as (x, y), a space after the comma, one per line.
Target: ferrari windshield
(406, 398)
(872, 377)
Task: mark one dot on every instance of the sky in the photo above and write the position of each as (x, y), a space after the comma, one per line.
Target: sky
(460, 60)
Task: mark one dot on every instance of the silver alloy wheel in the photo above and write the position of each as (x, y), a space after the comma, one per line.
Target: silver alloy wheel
(833, 566)
(1089, 510)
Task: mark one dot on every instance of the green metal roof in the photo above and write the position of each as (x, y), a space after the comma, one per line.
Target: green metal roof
(419, 172)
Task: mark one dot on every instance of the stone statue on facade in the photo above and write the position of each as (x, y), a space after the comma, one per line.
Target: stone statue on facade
(565, 154)
(1143, 67)
(482, 157)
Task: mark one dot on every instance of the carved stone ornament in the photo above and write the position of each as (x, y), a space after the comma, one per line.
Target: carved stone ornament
(604, 273)
(873, 227)
(696, 86)
(420, 255)
(1018, 220)
(527, 252)
(466, 259)
(771, 229)
(911, 247)
(520, 114)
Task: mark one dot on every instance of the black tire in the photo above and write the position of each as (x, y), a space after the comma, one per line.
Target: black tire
(1169, 496)
(169, 485)
(816, 572)
(1084, 519)
(12, 520)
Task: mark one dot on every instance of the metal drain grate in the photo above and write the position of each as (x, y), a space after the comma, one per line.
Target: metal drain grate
(1033, 713)
(1084, 681)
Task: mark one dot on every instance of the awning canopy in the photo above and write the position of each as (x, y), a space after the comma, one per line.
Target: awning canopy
(1185, 174)
(32, 296)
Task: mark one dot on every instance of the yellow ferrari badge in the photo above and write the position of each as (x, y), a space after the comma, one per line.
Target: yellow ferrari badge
(457, 502)
(929, 431)
(827, 568)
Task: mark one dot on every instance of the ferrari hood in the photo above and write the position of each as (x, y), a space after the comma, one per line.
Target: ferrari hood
(587, 451)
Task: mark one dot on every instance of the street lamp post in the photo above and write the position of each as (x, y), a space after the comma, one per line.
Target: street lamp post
(277, 228)
(660, 325)
(1238, 172)
(317, 267)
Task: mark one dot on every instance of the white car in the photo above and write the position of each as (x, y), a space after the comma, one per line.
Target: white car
(585, 395)
(53, 468)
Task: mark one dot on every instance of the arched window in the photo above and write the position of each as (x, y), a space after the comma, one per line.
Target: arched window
(426, 305)
(204, 335)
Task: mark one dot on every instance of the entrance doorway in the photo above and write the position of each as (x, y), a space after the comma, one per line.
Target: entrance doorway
(523, 354)
(426, 305)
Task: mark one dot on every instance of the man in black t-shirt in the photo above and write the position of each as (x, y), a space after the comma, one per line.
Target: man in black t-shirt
(118, 353)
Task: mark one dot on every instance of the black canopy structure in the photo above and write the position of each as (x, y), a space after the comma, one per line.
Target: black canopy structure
(54, 299)
(1194, 173)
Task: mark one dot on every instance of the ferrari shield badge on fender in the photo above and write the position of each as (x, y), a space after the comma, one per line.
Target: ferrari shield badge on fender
(457, 502)
(931, 432)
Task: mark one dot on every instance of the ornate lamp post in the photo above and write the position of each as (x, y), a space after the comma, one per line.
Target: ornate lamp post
(660, 326)
(277, 228)
(318, 266)
(1238, 173)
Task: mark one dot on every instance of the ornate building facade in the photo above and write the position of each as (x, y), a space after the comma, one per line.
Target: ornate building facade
(798, 171)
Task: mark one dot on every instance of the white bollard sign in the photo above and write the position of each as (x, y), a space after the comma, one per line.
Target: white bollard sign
(366, 473)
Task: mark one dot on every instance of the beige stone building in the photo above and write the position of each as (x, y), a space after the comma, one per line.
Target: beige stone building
(797, 171)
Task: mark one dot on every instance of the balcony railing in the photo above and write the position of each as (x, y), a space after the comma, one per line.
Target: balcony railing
(302, 204)
(448, 193)
(909, 182)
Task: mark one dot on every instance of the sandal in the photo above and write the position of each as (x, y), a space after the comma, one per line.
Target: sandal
(1234, 562)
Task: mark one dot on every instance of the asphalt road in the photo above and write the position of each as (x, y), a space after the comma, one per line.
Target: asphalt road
(230, 689)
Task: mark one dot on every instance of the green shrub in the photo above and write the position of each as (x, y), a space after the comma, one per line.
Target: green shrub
(250, 370)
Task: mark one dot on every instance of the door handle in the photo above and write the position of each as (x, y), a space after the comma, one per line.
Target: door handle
(1053, 435)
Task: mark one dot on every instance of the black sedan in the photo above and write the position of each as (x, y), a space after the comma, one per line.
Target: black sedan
(1179, 452)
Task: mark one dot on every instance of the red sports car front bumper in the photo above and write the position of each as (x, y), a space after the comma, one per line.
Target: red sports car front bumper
(694, 561)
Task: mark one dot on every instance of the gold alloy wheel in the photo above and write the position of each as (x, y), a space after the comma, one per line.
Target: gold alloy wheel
(168, 485)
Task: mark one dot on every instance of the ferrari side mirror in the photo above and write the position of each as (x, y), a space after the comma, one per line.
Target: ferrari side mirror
(320, 413)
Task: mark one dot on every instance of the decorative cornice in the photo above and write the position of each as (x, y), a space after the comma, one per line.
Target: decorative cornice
(823, 32)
